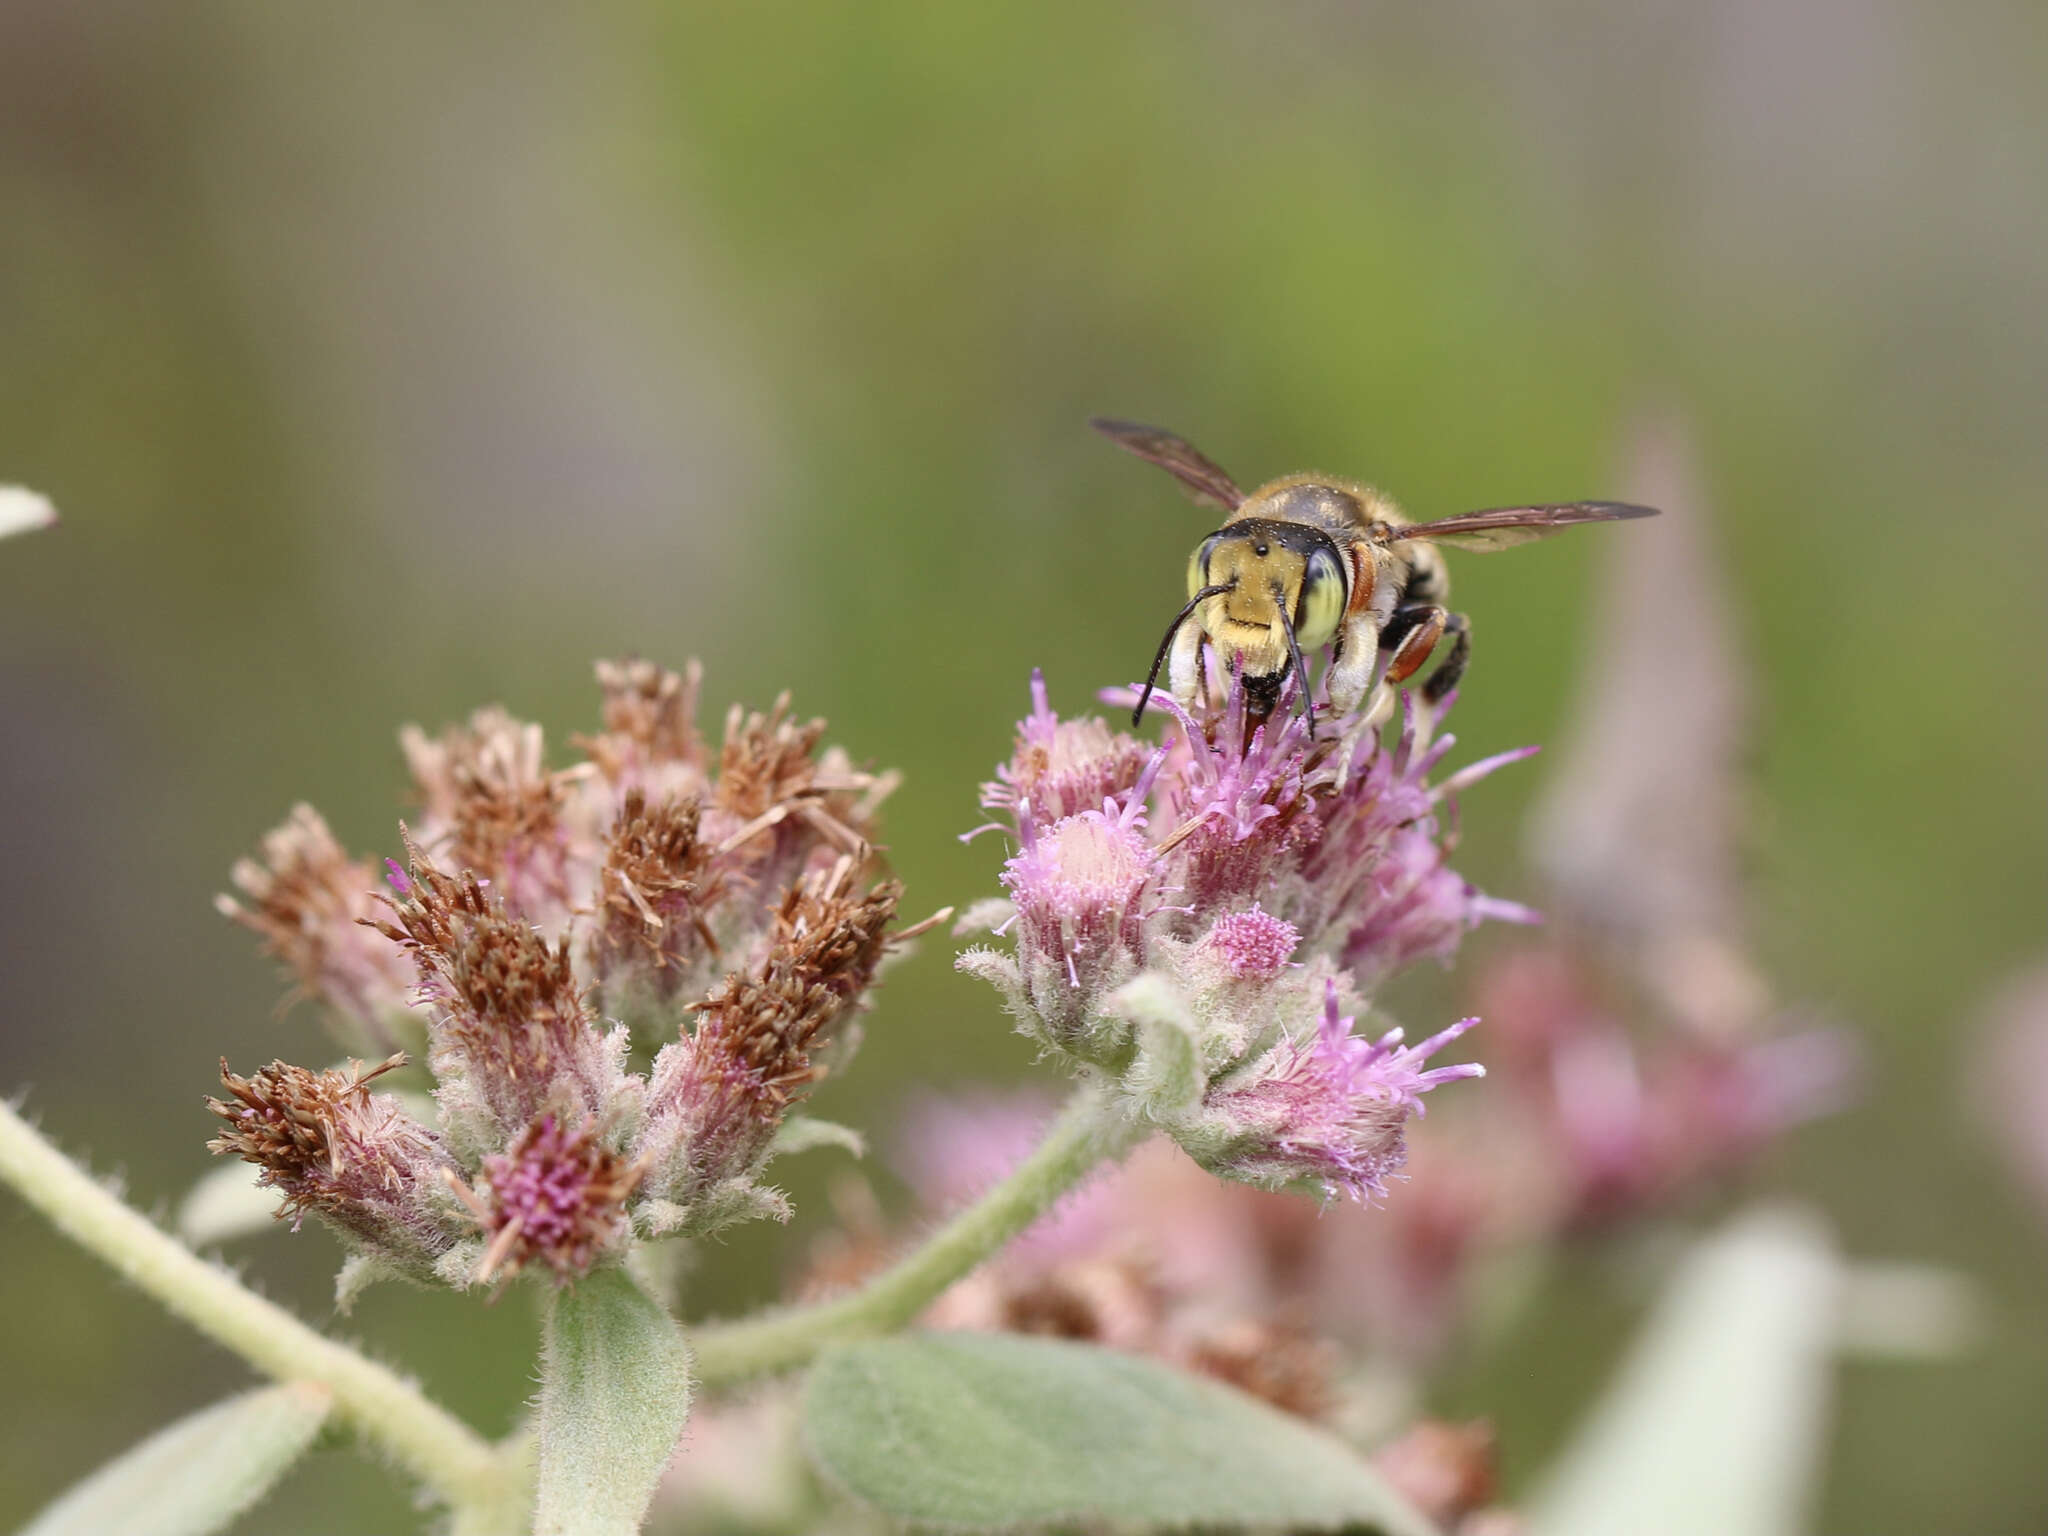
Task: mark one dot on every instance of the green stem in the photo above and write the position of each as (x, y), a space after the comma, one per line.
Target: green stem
(1088, 1132)
(443, 1452)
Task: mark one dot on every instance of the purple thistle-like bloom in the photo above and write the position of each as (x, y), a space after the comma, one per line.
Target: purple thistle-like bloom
(1063, 767)
(558, 1198)
(1239, 848)
(1079, 888)
(1253, 945)
(1331, 1109)
(1376, 882)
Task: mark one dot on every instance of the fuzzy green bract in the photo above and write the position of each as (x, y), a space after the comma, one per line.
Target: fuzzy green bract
(615, 1394)
(988, 1431)
(1715, 1425)
(197, 1475)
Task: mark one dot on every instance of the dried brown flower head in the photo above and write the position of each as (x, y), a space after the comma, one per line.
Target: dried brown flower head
(330, 1146)
(554, 923)
(657, 886)
(306, 897)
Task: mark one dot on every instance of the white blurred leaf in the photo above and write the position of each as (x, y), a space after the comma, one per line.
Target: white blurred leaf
(226, 1202)
(23, 511)
(1715, 1425)
(196, 1476)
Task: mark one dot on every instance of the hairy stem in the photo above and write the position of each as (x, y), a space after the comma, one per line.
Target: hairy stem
(1089, 1132)
(443, 1452)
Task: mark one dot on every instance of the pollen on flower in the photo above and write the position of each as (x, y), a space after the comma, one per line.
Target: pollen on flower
(1255, 945)
(557, 1197)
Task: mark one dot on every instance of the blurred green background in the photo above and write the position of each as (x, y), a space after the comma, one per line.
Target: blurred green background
(389, 360)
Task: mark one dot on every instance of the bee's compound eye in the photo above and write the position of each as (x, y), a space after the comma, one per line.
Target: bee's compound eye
(1198, 564)
(1320, 608)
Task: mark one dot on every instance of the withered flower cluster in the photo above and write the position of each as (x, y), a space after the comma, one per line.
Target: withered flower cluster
(621, 974)
(1203, 924)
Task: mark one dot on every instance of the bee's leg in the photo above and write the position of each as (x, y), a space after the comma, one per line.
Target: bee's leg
(1413, 632)
(1184, 668)
(1350, 674)
(1446, 676)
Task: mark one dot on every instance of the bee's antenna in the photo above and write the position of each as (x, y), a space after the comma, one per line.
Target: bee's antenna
(1294, 649)
(1166, 644)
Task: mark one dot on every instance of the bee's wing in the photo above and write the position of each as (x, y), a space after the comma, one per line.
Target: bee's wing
(1505, 527)
(1203, 481)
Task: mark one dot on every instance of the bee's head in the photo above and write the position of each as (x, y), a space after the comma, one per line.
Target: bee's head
(1264, 591)
(1276, 577)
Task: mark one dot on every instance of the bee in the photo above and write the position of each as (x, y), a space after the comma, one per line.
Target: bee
(1309, 560)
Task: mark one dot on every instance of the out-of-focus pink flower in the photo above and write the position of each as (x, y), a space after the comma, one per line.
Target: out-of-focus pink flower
(2012, 1076)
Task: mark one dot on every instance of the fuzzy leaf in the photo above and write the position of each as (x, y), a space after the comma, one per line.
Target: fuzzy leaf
(976, 1431)
(227, 1202)
(614, 1396)
(1167, 1077)
(1714, 1425)
(801, 1133)
(197, 1475)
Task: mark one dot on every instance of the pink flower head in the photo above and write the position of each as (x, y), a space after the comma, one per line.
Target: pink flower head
(557, 1198)
(1376, 882)
(1062, 767)
(1253, 945)
(1331, 1109)
(1079, 887)
(1237, 851)
(1238, 818)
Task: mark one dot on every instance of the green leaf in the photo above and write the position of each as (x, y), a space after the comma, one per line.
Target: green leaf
(614, 1396)
(197, 1475)
(1714, 1426)
(802, 1133)
(977, 1431)
(227, 1202)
